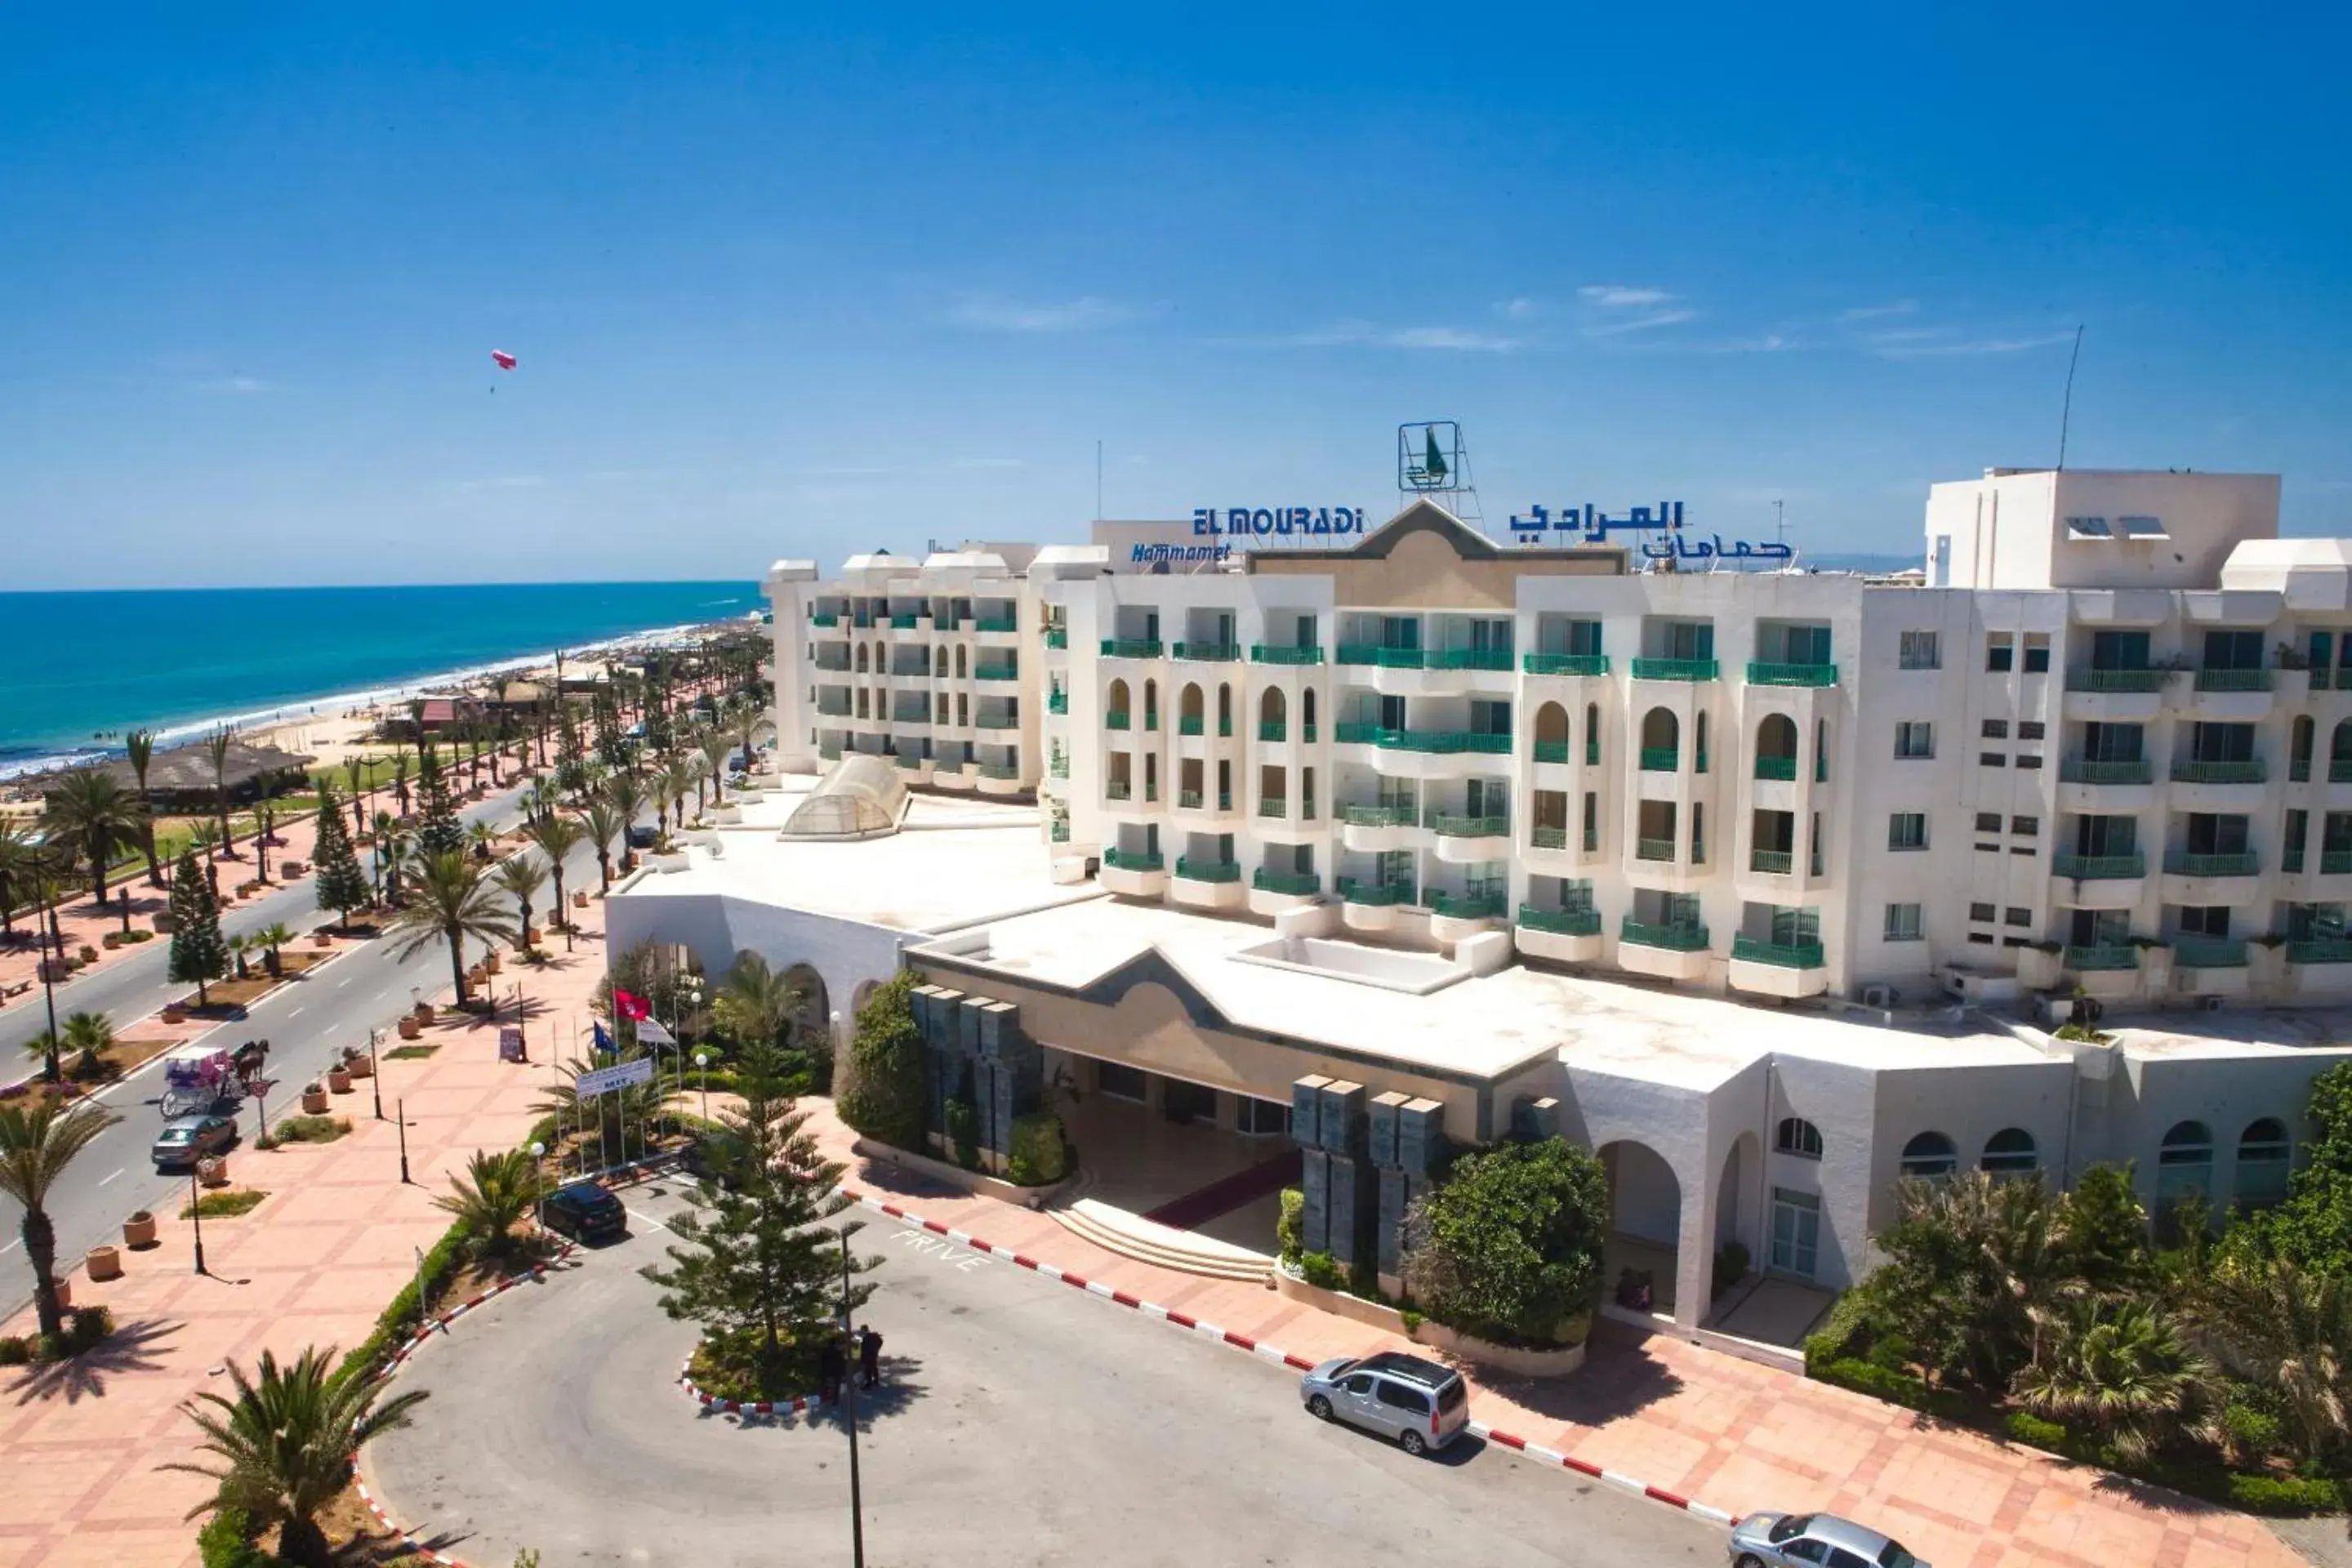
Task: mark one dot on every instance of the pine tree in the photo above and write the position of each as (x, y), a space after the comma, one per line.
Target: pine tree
(343, 886)
(753, 1265)
(439, 833)
(199, 952)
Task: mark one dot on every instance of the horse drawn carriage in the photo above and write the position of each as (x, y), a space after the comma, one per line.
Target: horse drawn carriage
(199, 1078)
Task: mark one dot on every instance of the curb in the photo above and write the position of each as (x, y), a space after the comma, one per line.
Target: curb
(1264, 1352)
(807, 1401)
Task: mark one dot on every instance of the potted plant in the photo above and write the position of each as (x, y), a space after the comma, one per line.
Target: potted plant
(175, 1013)
(320, 939)
(409, 1027)
(103, 1263)
(314, 1099)
(111, 941)
(491, 962)
(338, 1080)
(580, 899)
(139, 1230)
(424, 1014)
(358, 1063)
(212, 1170)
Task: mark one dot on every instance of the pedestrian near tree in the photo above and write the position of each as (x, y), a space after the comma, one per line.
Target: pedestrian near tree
(869, 1357)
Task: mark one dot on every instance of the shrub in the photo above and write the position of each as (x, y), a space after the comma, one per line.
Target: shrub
(14, 1349)
(1510, 1248)
(884, 1097)
(1894, 1387)
(86, 1326)
(1730, 1266)
(2286, 1494)
(224, 1543)
(310, 1129)
(1412, 1318)
(1893, 1352)
(2031, 1430)
(1320, 1271)
(963, 1132)
(2252, 1432)
(1038, 1154)
(1290, 1228)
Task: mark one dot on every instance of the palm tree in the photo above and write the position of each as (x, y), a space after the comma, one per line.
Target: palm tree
(520, 876)
(38, 1139)
(283, 1447)
(390, 851)
(239, 945)
(603, 823)
(19, 855)
(497, 1192)
(217, 752)
(97, 816)
(480, 836)
(627, 794)
(454, 902)
(400, 776)
(204, 835)
(2118, 1367)
(355, 770)
(557, 836)
(87, 1034)
(758, 1000)
(714, 745)
(2268, 1321)
(139, 746)
(663, 787)
(274, 936)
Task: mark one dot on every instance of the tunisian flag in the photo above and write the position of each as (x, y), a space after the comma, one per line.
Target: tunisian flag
(630, 1005)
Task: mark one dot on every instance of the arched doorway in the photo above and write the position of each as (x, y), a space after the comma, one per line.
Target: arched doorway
(1735, 1211)
(1271, 713)
(1645, 1222)
(811, 1020)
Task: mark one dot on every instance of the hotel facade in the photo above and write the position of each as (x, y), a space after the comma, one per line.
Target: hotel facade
(1768, 885)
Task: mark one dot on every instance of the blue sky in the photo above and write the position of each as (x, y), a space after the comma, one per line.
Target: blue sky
(791, 288)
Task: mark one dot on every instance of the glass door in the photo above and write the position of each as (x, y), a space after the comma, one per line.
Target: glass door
(1796, 1233)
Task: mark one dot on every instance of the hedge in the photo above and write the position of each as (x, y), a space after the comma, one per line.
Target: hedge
(2254, 1491)
(1894, 1387)
(1038, 1154)
(223, 1543)
(400, 1320)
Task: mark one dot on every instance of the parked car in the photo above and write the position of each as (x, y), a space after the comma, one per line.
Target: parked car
(1421, 1405)
(642, 837)
(188, 1139)
(1813, 1540)
(584, 1212)
(713, 1157)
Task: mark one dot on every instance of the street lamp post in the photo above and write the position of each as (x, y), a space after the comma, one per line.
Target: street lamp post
(400, 1110)
(539, 1209)
(197, 1213)
(849, 1410)
(702, 1066)
(375, 1073)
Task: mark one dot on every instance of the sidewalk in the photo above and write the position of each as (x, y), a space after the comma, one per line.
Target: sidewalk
(314, 1264)
(1717, 1430)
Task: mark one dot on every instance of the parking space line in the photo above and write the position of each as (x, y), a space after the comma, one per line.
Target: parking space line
(107, 1179)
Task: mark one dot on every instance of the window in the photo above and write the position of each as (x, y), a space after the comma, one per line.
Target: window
(2009, 1152)
(2142, 527)
(1907, 830)
(1398, 1396)
(1920, 651)
(1903, 923)
(2025, 826)
(1798, 1137)
(1119, 1081)
(2017, 917)
(1982, 939)
(2088, 528)
(1915, 739)
(2263, 1162)
(1994, 759)
(1928, 1156)
(2000, 652)
(2029, 729)
(2029, 762)
(1988, 822)
(1984, 912)
(1995, 729)
(2037, 653)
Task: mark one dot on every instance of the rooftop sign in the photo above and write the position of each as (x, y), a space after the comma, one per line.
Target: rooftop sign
(1584, 525)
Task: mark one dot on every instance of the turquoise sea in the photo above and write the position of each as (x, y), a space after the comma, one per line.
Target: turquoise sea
(81, 667)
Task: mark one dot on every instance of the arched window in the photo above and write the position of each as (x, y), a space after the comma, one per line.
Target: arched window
(1551, 733)
(1776, 747)
(1798, 1137)
(1929, 1157)
(2264, 1157)
(1699, 741)
(2298, 747)
(1821, 751)
(1119, 700)
(2340, 747)
(2184, 1173)
(1224, 710)
(1592, 734)
(1661, 741)
(1151, 705)
(1188, 710)
(2009, 1152)
(861, 658)
(959, 668)
(1272, 711)
(1306, 710)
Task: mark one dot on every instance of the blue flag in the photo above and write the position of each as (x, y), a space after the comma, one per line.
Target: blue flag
(604, 1040)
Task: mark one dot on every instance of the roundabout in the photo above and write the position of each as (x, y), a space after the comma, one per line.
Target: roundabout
(1019, 1422)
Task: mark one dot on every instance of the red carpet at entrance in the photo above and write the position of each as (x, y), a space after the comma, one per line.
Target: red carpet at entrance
(1229, 1193)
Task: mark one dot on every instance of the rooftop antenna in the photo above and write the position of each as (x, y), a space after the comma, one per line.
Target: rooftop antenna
(1779, 523)
(2066, 409)
(1098, 511)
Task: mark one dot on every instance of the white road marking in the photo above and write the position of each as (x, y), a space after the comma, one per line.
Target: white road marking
(11, 1246)
(647, 1219)
(110, 1178)
(295, 1012)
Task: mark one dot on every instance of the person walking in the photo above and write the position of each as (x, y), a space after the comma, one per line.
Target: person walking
(832, 1366)
(869, 1358)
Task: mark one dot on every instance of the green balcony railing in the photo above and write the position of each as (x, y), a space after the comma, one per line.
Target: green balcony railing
(1379, 815)
(829, 750)
(1058, 768)
(996, 624)
(1469, 906)
(1792, 675)
(1130, 647)
(995, 672)
(2180, 863)
(1467, 658)
(997, 720)
(1390, 893)
(1564, 663)
(1273, 729)
(1552, 751)
(2100, 868)
(1119, 859)
(1193, 871)
(2245, 770)
(1544, 837)
(1374, 654)
(912, 716)
(2320, 950)
(2335, 862)
(1117, 719)
(1274, 805)
(1661, 759)
(827, 621)
(1448, 826)
(2339, 770)
(1772, 862)
(2123, 680)
(1561, 923)
(2209, 952)
(1188, 726)
(1119, 789)
(1672, 938)
(1296, 884)
(1061, 830)
(1274, 653)
(1306, 733)
(910, 762)
(904, 623)
(1001, 770)
(1058, 702)
(2233, 680)
(1436, 741)
(1057, 636)
(1781, 768)
(2102, 771)
(1189, 800)
(1781, 955)
(1654, 849)
(2106, 955)
(1675, 670)
(1208, 652)
(833, 710)
(1591, 753)
(2298, 770)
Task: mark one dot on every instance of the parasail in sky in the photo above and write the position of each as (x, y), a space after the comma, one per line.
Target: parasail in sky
(504, 360)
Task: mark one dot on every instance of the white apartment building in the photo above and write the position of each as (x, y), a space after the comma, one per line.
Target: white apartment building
(1409, 813)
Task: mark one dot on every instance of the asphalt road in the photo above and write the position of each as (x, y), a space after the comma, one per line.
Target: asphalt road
(1022, 1423)
(306, 1022)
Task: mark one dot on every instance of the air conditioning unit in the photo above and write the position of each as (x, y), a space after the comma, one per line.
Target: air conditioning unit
(2209, 1004)
(1880, 996)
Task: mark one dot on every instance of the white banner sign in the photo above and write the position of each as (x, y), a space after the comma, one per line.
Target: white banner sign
(591, 1084)
(653, 1034)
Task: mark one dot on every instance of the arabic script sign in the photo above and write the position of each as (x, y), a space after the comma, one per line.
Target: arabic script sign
(1586, 526)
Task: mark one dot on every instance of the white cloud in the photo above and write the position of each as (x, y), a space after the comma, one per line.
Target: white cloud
(994, 314)
(235, 384)
(1621, 296)
(1945, 342)
(1450, 338)
(990, 463)
(503, 482)
(1357, 333)
(1878, 313)
(1764, 343)
(1640, 323)
(1520, 310)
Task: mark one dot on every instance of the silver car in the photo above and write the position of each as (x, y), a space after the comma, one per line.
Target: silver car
(1813, 1540)
(1420, 1404)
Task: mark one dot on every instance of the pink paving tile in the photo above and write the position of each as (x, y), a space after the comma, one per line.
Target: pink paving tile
(115, 1548)
(45, 1484)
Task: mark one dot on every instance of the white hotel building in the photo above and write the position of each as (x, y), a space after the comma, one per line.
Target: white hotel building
(1412, 811)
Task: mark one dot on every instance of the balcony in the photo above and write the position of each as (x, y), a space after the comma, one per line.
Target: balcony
(905, 623)
(1273, 729)
(1772, 862)
(1675, 670)
(1547, 837)
(1208, 652)
(2208, 952)
(1564, 663)
(1057, 636)
(1193, 871)
(1780, 955)
(1453, 917)
(1383, 658)
(2124, 680)
(2092, 771)
(2181, 863)
(2320, 950)
(1133, 859)
(1058, 702)
(2233, 680)
(1058, 767)
(2099, 868)
(907, 762)
(1661, 759)
(1792, 675)
(2335, 862)
(1117, 719)
(1378, 815)
(1001, 772)
(1136, 873)
(996, 720)
(1060, 831)
(1467, 658)
(1783, 969)
(995, 672)
(1119, 789)
(828, 622)
(1565, 936)
(1447, 826)
(1286, 884)
(1436, 742)
(1784, 769)
(1671, 939)
(2104, 958)
(2339, 770)
(1274, 805)
(1552, 751)
(1375, 895)
(1654, 849)
(1269, 653)
(2245, 771)
(1131, 647)
(1561, 923)
(996, 624)
(1193, 726)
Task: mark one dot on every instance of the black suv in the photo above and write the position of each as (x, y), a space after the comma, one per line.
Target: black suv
(584, 1212)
